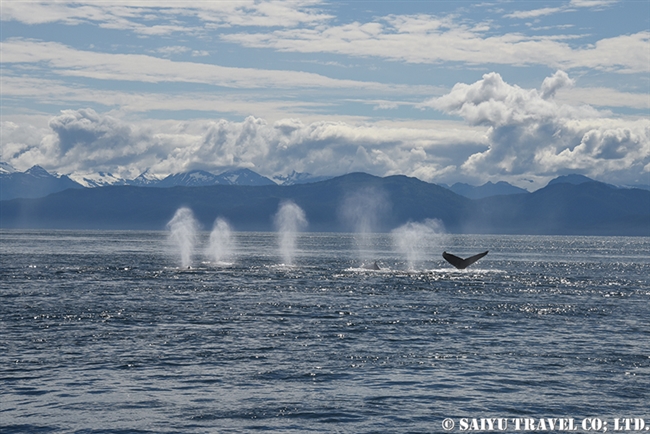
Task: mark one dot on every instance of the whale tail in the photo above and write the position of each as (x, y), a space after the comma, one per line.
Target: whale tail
(461, 263)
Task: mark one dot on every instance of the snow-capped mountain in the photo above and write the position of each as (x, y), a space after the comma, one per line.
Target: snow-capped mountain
(39, 172)
(6, 168)
(196, 178)
(193, 178)
(34, 182)
(299, 178)
(99, 179)
(145, 179)
(102, 179)
(243, 177)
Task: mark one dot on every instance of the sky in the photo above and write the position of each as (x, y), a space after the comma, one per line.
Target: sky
(445, 91)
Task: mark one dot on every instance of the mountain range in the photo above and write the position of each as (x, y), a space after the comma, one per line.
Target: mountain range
(486, 190)
(199, 178)
(341, 203)
(37, 182)
(34, 182)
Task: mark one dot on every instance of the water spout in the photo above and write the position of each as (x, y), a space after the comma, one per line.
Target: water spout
(182, 234)
(415, 240)
(289, 220)
(362, 211)
(220, 246)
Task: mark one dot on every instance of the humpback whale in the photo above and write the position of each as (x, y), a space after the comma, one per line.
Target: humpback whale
(461, 263)
(373, 266)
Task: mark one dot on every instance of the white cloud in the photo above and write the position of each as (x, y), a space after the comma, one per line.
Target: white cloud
(144, 17)
(386, 105)
(18, 139)
(82, 141)
(550, 85)
(603, 152)
(530, 133)
(270, 106)
(534, 13)
(67, 61)
(430, 39)
(514, 134)
(592, 3)
(172, 50)
(311, 122)
(623, 54)
(603, 97)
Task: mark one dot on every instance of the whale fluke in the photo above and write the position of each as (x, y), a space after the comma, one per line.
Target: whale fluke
(461, 263)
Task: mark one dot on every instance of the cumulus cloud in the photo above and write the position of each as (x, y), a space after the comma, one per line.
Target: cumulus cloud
(85, 139)
(550, 85)
(512, 134)
(22, 144)
(531, 134)
(82, 141)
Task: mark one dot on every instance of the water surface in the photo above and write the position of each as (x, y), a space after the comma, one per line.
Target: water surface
(105, 332)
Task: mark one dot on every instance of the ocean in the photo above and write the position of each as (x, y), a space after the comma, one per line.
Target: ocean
(134, 332)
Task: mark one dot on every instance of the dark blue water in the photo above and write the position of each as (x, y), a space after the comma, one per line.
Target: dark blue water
(103, 332)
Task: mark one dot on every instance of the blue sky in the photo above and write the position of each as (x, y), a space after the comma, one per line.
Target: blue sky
(446, 91)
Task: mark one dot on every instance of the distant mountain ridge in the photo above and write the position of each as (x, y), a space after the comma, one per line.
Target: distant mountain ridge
(34, 182)
(38, 182)
(145, 179)
(486, 190)
(25, 185)
(577, 179)
(589, 208)
(201, 178)
(573, 178)
(100, 179)
(578, 205)
(299, 178)
(193, 178)
(197, 178)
